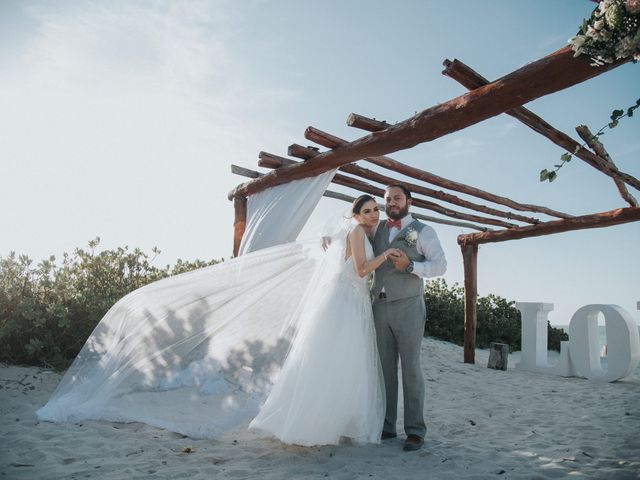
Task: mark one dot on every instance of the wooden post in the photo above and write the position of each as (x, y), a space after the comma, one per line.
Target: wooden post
(239, 222)
(470, 263)
(498, 356)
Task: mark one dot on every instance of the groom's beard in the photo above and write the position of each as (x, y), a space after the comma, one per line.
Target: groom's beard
(398, 215)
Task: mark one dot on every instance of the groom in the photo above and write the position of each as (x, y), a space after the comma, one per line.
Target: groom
(399, 310)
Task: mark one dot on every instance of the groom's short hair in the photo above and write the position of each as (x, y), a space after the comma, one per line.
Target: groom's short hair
(407, 192)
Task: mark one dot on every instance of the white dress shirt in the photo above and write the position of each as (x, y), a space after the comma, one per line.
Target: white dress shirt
(428, 245)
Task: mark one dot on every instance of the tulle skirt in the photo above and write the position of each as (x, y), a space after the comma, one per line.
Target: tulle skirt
(198, 353)
(195, 353)
(330, 386)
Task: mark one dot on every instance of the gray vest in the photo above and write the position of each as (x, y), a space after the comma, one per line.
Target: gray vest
(397, 284)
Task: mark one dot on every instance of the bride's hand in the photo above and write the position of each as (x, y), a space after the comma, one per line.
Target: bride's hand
(391, 253)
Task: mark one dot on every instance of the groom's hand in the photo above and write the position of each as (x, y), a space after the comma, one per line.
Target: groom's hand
(400, 260)
(326, 242)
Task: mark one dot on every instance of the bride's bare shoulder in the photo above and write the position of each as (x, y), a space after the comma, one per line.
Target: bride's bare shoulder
(357, 232)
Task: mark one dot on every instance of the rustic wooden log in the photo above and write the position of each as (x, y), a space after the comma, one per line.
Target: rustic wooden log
(372, 190)
(347, 198)
(554, 72)
(356, 184)
(444, 221)
(239, 222)
(539, 125)
(419, 216)
(471, 79)
(596, 220)
(333, 142)
(245, 172)
(369, 124)
(305, 153)
(269, 160)
(498, 356)
(597, 146)
(470, 264)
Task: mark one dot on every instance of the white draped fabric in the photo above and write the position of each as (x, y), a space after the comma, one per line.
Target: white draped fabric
(197, 353)
(278, 214)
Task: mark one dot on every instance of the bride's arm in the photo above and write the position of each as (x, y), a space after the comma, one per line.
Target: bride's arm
(363, 266)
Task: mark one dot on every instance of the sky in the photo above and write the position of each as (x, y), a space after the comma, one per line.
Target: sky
(121, 119)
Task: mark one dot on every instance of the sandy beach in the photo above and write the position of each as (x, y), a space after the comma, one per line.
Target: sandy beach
(482, 423)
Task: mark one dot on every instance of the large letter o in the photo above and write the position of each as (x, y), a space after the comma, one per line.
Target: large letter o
(623, 343)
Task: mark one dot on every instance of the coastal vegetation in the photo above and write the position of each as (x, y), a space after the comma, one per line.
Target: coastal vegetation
(49, 309)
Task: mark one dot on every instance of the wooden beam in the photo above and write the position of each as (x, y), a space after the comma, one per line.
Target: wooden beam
(444, 221)
(341, 196)
(305, 153)
(470, 264)
(419, 216)
(239, 222)
(373, 190)
(596, 220)
(269, 160)
(331, 141)
(368, 124)
(552, 73)
(595, 144)
(245, 172)
(471, 79)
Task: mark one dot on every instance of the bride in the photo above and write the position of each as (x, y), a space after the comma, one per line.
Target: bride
(200, 352)
(330, 385)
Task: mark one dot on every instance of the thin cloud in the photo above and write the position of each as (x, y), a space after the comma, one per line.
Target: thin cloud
(457, 147)
(110, 104)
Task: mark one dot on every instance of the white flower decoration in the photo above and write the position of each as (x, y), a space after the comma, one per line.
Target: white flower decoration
(611, 32)
(578, 40)
(411, 237)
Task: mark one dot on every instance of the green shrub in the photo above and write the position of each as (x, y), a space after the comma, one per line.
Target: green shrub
(445, 311)
(47, 311)
(498, 319)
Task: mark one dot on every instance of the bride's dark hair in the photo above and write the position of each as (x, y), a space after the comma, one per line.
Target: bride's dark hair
(357, 204)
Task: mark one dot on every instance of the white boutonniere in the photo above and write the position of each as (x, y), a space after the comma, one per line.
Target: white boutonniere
(411, 237)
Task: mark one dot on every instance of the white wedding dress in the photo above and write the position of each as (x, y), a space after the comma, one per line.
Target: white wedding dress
(330, 386)
(198, 353)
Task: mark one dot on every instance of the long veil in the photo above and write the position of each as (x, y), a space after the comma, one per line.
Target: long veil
(197, 353)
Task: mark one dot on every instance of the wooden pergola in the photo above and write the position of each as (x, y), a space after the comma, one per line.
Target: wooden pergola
(508, 220)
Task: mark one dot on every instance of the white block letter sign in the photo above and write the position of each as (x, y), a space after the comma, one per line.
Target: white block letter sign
(534, 354)
(623, 342)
